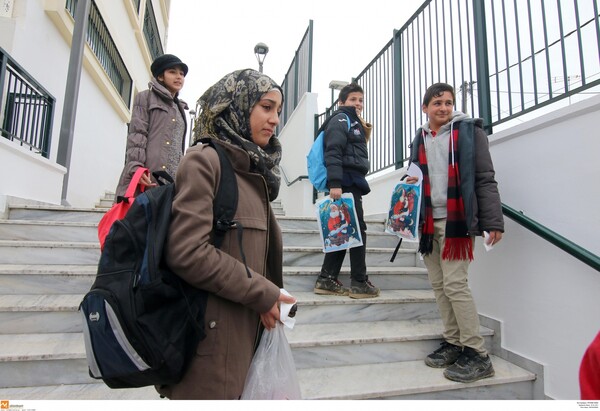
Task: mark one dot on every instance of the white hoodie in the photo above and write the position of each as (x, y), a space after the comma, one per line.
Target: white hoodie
(437, 149)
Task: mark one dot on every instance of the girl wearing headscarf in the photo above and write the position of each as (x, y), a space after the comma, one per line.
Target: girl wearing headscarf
(240, 113)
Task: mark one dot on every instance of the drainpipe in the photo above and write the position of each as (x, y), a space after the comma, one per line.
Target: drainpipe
(65, 142)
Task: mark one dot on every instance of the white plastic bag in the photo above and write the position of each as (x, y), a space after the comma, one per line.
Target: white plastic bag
(272, 373)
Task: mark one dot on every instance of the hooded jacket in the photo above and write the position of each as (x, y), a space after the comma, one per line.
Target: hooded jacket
(151, 131)
(345, 151)
(479, 189)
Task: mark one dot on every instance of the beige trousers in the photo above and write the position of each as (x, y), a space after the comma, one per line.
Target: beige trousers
(453, 295)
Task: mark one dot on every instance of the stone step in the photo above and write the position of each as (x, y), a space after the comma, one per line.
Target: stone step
(386, 278)
(91, 391)
(310, 237)
(55, 213)
(401, 381)
(390, 305)
(313, 345)
(376, 257)
(74, 279)
(351, 343)
(43, 359)
(30, 314)
(42, 252)
(411, 380)
(46, 279)
(60, 252)
(105, 203)
(58, 313)
(30, 230)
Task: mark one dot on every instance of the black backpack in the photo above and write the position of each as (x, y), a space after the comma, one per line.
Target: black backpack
(141, 322)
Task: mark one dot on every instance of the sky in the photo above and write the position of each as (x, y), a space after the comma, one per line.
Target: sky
(217, 37)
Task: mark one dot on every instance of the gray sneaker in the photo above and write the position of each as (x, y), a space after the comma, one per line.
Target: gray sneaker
(444, 356)
(329, 286)
(470, 367)
(364, 290)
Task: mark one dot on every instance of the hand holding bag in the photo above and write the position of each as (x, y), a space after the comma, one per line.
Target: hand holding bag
(118, 210)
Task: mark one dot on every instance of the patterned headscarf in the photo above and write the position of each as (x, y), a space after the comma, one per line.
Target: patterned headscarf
(225, 115)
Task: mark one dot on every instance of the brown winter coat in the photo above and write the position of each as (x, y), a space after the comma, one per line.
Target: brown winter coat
(150, 132)
(232, 321)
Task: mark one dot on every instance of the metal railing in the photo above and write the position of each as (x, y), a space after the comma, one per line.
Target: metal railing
(561, 242)
(151, 32)
(103, 46)
(298, 78)
(26, 108)
(505, 58)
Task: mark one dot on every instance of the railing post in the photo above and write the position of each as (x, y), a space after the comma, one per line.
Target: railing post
(483, 72)
(310, 50)
(3, 65)
(296, 85)
(397, 98)
(65, 142)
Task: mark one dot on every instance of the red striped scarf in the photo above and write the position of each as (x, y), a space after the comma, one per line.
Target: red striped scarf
(458, 244)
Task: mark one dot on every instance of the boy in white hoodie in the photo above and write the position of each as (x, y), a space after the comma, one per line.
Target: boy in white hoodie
(460, 201)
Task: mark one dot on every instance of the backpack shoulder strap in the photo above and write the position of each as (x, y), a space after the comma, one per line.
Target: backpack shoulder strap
(348, 120)
(226, 198)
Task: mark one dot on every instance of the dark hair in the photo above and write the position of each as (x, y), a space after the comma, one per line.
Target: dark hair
(349, 88)
(436, 90)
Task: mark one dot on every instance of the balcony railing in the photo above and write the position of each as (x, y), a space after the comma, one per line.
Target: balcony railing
(26, 108)
(103, 46)
(151, 32)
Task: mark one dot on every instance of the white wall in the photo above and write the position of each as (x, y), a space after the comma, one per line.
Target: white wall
(27, 172)
(547, 301)
(296, 139)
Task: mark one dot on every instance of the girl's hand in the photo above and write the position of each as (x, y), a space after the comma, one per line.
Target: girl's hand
(411, 180)
(145, 180)
(270, 318)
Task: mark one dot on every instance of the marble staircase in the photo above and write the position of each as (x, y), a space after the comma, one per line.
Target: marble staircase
(343, 348)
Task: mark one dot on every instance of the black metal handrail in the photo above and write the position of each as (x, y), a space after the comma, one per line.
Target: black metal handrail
(298, 78)
(287, 181)
(103, 46)
(28, 108)
(561, 242)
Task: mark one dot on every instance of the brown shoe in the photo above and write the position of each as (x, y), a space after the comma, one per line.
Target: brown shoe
(329, 286)
(364, 290)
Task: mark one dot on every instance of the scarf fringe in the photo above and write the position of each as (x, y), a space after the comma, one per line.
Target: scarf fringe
(458, 248)
(426, 244)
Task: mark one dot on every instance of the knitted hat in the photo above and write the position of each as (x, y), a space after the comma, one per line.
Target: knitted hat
(167, 61)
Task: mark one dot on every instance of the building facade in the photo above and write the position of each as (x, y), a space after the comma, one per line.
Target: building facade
(120, 41)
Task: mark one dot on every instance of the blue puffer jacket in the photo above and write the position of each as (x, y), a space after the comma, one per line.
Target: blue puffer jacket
(346, 154)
